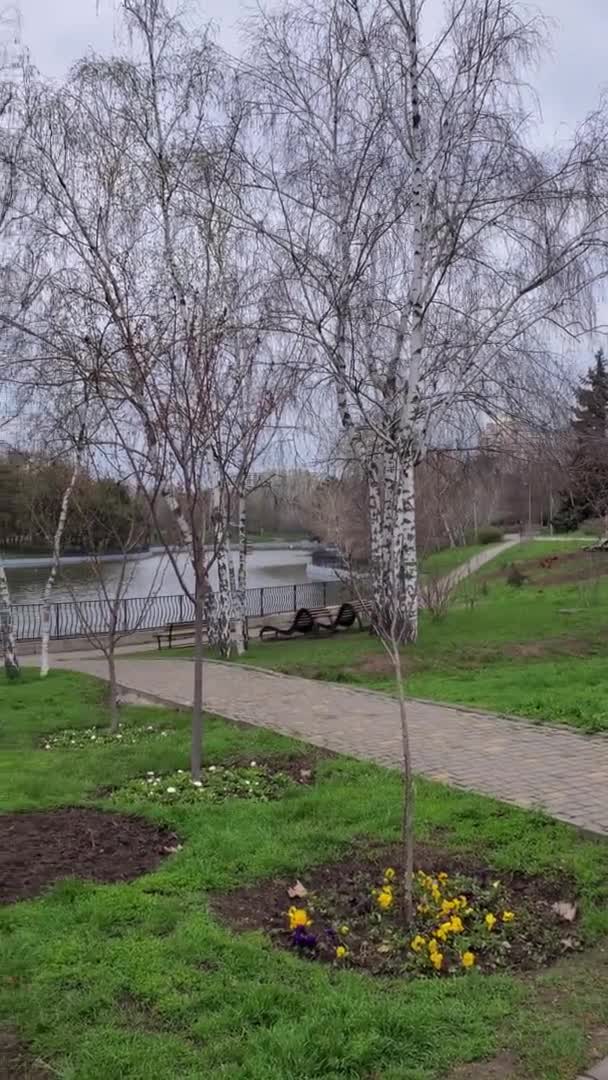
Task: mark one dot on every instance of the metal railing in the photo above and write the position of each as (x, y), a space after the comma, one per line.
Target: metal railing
(81, 618)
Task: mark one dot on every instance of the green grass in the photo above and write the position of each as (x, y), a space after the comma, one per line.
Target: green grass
(442, 562)
(128, 982)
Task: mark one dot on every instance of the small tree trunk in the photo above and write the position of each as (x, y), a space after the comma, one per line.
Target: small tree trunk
(113, 689)
(7, 628)
(48, 588)
(196, 751)
(407, 821)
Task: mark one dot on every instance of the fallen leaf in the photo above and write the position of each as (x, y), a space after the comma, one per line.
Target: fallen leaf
(568, 943)
(305, 774)
(297, 890)
(384, 948)
(565, 910)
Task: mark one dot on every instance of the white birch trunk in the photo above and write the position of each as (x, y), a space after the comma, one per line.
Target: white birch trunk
(50, 581)
(7, 627)
(406, 583)
(223, 607)
(236, 621)
(405, 603)
(241, 590)
(374, 495)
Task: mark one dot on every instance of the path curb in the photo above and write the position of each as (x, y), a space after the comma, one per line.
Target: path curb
(599, 1071)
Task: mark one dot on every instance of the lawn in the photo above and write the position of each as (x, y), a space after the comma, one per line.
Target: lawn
(538, 651)
(139, 980)
(442, 562)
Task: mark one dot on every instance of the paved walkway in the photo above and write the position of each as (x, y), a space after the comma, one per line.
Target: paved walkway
(555, 769)
(477, 561)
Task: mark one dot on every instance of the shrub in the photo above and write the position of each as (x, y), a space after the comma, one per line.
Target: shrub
(515, 578)
(489, 534)
(436, 594)
(567, 519)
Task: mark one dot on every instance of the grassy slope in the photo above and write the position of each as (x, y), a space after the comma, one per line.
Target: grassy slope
(131, 981)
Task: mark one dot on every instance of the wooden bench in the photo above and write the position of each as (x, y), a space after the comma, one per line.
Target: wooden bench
(180, 632)
(360, 609)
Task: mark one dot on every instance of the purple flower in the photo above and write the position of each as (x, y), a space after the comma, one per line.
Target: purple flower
(302, 939)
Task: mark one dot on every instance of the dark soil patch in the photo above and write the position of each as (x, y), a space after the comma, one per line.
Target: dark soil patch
(341, 894)
(16, 1063)
(40, 848)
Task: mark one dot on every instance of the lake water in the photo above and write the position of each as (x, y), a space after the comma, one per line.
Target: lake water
(155, 573)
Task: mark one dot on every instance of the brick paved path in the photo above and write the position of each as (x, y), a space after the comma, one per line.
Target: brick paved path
(561, 771)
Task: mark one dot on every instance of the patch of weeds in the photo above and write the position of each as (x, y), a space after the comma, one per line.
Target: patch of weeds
(89, 738)
(260, 783)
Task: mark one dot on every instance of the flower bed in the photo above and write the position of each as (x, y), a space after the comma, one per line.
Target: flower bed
(467, 918)
(81, 738)
(260, 782)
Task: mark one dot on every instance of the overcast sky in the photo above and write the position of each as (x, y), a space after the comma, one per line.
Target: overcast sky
(57, 32)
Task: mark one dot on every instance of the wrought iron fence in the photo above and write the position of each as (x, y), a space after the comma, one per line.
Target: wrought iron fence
(82, 618)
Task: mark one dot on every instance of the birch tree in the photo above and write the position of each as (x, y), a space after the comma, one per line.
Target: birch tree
(134, 162)
(79, 448)
(430, 245)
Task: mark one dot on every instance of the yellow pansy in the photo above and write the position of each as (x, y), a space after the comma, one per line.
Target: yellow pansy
(298, 917)
(389, 875)
(442, 877)
(508, 916)
(341, 952)
(490, 921)
(384, 897)
(456, 924)
(437, 960)
(417, 943)
(443, 931)
(467, 959)
(344, 930)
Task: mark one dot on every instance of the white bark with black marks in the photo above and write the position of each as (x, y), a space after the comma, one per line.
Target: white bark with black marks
(223, 599)
(50, 581)
(7, 627)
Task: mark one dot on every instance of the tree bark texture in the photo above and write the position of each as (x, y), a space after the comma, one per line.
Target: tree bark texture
(50, 581)
(7, 628)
